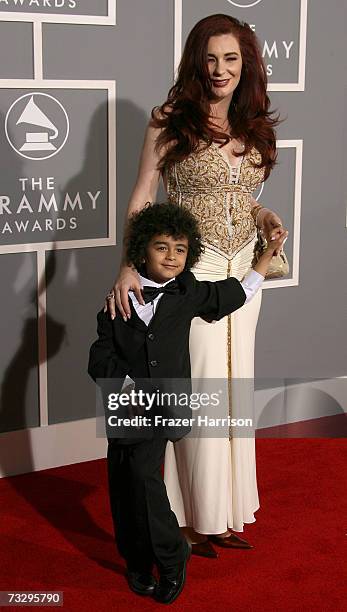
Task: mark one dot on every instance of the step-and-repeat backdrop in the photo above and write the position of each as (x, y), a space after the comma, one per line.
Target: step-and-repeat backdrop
(78, 81)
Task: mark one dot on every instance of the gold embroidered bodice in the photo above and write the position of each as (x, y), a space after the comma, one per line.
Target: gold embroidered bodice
(218, 195)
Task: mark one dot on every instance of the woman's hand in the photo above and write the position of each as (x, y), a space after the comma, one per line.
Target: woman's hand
(128, 280)
(270, 225)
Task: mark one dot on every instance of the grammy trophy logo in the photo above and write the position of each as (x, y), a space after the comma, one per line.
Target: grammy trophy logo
(244, 3)
(37, 126)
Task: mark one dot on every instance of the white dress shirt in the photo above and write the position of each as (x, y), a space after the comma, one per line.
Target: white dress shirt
(250, 284)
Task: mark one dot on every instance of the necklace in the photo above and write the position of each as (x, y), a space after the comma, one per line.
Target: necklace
(240, 147)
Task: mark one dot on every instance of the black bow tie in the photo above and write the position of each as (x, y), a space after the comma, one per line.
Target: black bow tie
(150, 293)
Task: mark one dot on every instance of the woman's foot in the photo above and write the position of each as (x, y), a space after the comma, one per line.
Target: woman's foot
(204, 549)
(229, 540)
(200, 543)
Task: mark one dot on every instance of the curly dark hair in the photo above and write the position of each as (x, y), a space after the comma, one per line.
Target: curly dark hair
(163, 218)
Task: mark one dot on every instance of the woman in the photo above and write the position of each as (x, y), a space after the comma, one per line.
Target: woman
(213, 143)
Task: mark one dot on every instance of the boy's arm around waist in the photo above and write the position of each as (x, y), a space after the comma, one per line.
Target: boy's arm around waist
(104, 361)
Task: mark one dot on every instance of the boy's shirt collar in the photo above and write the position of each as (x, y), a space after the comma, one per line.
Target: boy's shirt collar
(151, 283)
(148, 283)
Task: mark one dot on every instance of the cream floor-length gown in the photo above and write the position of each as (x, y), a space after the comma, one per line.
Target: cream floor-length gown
(211, 482)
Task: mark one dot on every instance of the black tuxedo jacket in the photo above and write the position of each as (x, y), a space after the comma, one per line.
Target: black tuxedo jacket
(161, 349)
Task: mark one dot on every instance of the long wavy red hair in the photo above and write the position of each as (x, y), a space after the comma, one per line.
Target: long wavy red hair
(185, 118)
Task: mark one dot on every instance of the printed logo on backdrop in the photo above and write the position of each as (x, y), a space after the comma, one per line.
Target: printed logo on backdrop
(257, 193)
(55, 166)
(58, 10)
(283, 194)
(281, 28)
(37, 126)
(244, 3)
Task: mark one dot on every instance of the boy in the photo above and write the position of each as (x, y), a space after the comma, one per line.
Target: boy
(163, 243)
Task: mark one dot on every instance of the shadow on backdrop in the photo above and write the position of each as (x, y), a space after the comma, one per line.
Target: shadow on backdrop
(63, 507)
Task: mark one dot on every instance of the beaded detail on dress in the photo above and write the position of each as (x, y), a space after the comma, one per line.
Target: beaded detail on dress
(218, 195)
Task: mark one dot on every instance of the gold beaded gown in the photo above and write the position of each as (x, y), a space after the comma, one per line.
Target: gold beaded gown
(211, 482)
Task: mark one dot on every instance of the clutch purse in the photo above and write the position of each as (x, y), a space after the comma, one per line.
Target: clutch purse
(279, 265)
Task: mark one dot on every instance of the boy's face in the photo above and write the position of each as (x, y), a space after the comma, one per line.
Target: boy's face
(165, 257)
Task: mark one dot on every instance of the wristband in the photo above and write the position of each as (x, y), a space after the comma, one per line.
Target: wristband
(255, 212)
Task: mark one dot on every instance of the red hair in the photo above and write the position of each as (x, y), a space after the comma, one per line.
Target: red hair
(184, 117)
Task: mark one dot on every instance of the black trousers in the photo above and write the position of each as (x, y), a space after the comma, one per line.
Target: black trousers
(146, 528)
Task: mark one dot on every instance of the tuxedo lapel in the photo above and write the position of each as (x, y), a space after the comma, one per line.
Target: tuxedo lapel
(167, 304)
(135, 320)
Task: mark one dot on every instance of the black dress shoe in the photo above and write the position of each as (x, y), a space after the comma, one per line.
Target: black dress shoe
(170, 587)
(231, 541)
(141, 583)
(204, 549)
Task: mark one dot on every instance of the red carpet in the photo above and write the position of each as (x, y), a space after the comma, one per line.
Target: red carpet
(56, 535)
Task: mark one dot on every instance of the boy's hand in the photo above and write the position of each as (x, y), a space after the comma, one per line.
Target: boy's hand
(273, 248)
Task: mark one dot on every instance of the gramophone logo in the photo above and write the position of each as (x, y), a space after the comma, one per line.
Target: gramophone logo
(37, 126)
(244, 3)
(258, 192)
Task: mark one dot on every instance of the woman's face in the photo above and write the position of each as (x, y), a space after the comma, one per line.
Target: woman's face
(224, 64)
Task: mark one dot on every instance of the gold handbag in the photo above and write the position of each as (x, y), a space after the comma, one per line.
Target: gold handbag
(279, 265)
